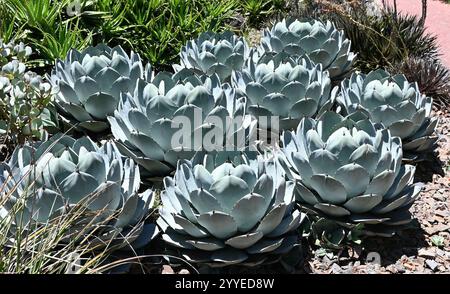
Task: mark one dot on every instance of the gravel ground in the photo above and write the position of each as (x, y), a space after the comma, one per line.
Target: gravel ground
(425, 248)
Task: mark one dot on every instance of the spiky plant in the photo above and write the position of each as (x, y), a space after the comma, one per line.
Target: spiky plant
(382, 40)
(432, 77)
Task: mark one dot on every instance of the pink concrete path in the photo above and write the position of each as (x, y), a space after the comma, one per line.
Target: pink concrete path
(437, 22)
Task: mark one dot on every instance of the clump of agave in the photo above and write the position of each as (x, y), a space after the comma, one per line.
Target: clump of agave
(24, 97)
(321, 42)
(89, 84)
(167, 109)
(289, 90)
(213, 53)
(396, 104)
(56, 175)
(232, 214)
(350, 172)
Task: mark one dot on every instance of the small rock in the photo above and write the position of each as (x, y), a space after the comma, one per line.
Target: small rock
(440, 252)
(336, 269)
(427, 253)
(391, 268)
(432, 264)
(167, 270)
(438, 228)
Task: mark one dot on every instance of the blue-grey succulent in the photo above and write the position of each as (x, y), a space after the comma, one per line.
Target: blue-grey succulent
(321, 42)
(232, 214)
(351, 172)
(288, 90)
(396, 104)
(213, 53)
(89, 84)
(164, 119)
(54, 176)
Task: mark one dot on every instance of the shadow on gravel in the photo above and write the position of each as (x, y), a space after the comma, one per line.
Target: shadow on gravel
(407, 242)
(426, 169)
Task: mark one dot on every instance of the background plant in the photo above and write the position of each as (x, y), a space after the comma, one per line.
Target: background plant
(25, 110)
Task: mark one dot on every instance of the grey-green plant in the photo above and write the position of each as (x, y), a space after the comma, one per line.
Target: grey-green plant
(25, 111)
(213, 53)
(320, 41)
(397, 105)
(289, 90)
(231, 214)
(350, 172)
(88, 84)
(150, 126)
(50, 178)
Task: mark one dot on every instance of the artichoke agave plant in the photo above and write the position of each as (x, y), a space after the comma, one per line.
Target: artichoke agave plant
(213, 53)
(54, 176)
(288, 90)
(321, 42)
(350, 172)
(147, 123)
(89, 84)
(396, 104)
(232, 214)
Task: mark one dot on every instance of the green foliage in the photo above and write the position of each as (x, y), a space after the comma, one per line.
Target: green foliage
(257, 11)
(45, 25)
(155, 29)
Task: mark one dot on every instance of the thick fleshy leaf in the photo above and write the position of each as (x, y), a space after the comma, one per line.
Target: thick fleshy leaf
(363, 203)
(229, 190)
(265, 246)
(244, 241)
(189, 227)
(329, 189)
(100, 105)
(204, 202)
(332, 210)
(207, 244)
(272, 219)
(354, 178)
(218, 224)
(77, 186)
(248, 211)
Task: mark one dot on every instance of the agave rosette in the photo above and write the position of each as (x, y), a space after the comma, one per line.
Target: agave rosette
(289, 90)
(231, 214)
(321, 42)
(55, 176)
(145, 124)
(396, 104)
(89, 84)
(213, 53)
(351, 172)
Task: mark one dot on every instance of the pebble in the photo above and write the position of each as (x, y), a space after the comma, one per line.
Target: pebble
(167, 270)
(429, 253)
(432, 264)
(336, 269)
